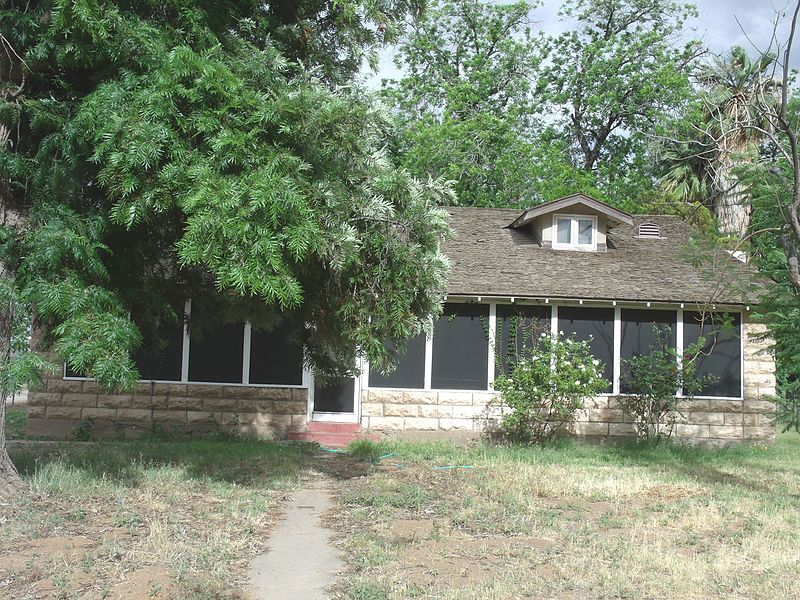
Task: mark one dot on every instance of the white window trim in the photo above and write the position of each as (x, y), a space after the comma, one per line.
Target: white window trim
(187, 313)
(617, 351)
(492, 344)
(574, 245)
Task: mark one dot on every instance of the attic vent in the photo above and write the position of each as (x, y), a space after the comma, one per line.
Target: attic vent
(649, 230)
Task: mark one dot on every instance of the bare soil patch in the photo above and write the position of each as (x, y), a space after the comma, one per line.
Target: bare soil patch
(143, 520)
(573, 521)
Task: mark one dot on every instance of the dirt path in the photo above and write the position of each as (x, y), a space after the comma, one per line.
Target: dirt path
(301, 561)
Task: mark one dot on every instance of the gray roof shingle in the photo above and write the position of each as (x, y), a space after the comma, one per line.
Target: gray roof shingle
(489, 259)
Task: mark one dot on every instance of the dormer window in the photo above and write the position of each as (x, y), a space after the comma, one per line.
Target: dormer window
(575, 232)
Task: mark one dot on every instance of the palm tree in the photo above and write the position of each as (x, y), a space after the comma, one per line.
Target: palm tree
(722, 132)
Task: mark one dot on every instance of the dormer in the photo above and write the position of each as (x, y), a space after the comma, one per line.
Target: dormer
(577, 222)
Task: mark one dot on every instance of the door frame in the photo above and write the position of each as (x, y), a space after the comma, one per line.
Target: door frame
(337, 417)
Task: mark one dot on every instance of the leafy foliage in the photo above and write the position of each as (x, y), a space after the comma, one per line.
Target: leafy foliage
(611, 78)
(464, 109)
(546, 387)
(517, 118)
(653, 381)
(215, 151)
(788, 406)
(720, 130)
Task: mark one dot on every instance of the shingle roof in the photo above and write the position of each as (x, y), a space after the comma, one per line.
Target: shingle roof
(489, 259)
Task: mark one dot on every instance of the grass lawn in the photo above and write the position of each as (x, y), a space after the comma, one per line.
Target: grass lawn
(145, 519)
(574, 521)
(182, 519)
(16, 421)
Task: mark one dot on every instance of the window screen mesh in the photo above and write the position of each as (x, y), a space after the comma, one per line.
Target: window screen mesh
(721, 356)
(161, 361)
(594, 323)
(461, 348)
(410, 367)
(336, 394)
(216, 355)
(518, 326)
(275, 358)
(639, 333)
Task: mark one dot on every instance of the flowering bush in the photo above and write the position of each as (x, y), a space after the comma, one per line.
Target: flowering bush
(546, 387)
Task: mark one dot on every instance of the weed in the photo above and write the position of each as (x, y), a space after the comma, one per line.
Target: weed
(16, 422)
(84, 431)
(366, 450)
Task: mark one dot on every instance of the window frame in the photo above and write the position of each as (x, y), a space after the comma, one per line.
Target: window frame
(741, 335)
(491, 320)
(185, 351)
(574, 232)
(492, 327)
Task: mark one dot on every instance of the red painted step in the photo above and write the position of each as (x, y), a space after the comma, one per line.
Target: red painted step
(334, 435)
(322, 427)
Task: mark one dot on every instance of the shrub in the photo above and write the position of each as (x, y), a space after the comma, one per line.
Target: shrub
(788, 406)
(546, 387)
(651, 382)
(84, 431)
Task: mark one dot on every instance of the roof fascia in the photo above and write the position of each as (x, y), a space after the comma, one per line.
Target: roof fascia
(563, 203)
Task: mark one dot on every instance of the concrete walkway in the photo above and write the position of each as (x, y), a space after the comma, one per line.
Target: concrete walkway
(300, 562)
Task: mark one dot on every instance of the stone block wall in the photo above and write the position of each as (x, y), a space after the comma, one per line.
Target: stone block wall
(706, 421)
(62, 405)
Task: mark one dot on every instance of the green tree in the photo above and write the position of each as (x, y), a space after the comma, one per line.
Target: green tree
(156, 151)
(463, 108)
(720, 132)
(611, 79)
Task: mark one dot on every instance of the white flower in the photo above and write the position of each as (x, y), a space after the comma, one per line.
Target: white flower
(596, 362)
(577, 382)
(544, 335)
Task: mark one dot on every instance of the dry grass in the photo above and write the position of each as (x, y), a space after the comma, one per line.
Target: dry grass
(180, 519)
(149, 519)
(575, 521)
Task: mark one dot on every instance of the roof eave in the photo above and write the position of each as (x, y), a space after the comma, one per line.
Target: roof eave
(610, 212)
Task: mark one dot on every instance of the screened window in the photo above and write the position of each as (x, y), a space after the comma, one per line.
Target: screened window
(518, 327)
(721, 356)
(275, 358)
(216, 354)
(410, 367)
(461, 348)
(160, 359)
(593, 325)
(639, 333)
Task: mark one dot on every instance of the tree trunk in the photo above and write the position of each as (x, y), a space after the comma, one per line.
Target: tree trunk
(10, 481)
(731, 201)
(9, 477)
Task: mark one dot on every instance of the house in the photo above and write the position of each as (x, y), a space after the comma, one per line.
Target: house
(577, 265)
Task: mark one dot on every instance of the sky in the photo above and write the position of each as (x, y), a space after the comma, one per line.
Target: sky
(716, 27)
